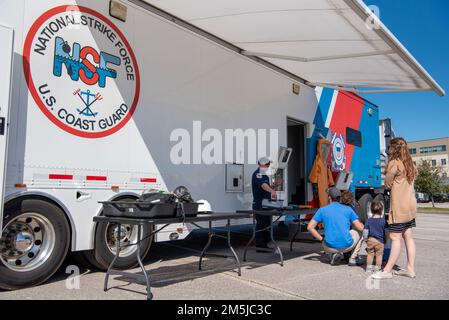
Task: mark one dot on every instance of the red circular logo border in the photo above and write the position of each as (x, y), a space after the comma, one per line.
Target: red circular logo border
(27, 71)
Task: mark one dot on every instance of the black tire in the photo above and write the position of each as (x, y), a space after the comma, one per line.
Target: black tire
(12, 279)
(387, 204)
(86, 259)
(362, 210)
(101, 257)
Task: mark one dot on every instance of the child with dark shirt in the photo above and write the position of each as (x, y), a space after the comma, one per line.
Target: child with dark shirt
(375, 236)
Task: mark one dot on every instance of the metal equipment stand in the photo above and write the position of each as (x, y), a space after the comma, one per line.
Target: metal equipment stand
(145, 275)
(212, 234)
(270, 228)
(164, 223)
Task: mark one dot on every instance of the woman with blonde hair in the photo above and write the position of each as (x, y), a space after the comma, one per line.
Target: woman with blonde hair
(399, 178)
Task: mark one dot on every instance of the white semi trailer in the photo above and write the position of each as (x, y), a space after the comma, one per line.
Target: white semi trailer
(96, 100)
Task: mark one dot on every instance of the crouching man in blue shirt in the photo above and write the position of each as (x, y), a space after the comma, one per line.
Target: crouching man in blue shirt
(338, 236)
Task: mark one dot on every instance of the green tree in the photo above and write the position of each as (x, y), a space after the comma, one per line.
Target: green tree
(429, 180)
(446, 188)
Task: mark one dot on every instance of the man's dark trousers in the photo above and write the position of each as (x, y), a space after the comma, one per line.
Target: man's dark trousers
(263, 237)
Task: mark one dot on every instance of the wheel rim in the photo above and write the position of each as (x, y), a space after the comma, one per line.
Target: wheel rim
(128, 235)
(27, 242)
(368, 209)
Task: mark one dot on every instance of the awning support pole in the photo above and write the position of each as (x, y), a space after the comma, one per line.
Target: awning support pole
(326, 58)
(367, 91)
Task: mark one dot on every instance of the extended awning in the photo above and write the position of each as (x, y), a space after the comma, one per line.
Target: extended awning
(327, 43)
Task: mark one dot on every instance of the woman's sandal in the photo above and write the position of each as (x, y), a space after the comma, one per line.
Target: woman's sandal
(404, 273)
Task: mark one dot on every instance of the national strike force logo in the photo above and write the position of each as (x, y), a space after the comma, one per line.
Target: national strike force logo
(81, 71)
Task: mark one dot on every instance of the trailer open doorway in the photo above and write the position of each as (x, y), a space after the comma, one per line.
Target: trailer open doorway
(296, 170)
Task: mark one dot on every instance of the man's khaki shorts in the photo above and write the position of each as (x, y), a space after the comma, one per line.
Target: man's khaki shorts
(356, 239)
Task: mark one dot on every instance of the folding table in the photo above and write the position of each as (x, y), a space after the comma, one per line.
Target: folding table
(165, 222)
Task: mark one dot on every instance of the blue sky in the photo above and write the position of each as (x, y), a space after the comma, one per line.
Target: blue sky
(423, 27)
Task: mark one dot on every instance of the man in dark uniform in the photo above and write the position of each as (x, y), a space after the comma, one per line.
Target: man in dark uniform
(262, 190)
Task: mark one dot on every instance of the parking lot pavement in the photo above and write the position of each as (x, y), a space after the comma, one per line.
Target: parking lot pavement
(306, 274)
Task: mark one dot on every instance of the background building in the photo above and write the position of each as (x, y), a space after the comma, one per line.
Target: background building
(436, 151)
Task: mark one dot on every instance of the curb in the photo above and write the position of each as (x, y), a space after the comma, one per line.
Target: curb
(434, 212)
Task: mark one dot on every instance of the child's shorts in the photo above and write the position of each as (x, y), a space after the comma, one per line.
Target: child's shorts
(374, 246)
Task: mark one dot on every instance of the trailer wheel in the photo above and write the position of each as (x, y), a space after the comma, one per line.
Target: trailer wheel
(364, 209)
(86, 259)
(106, 239)
(103, 253)
(33, 245)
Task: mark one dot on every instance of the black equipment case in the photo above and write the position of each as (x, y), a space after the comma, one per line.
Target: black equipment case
(153, 205)
(187, 209)
(139, 209)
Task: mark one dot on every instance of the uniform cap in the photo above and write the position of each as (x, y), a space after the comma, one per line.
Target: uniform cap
(264, 161)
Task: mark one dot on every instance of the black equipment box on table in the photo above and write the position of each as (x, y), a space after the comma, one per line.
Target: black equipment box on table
(145, 210)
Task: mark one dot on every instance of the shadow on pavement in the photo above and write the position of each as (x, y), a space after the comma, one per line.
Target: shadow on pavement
(182, 271)
(175, 254)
